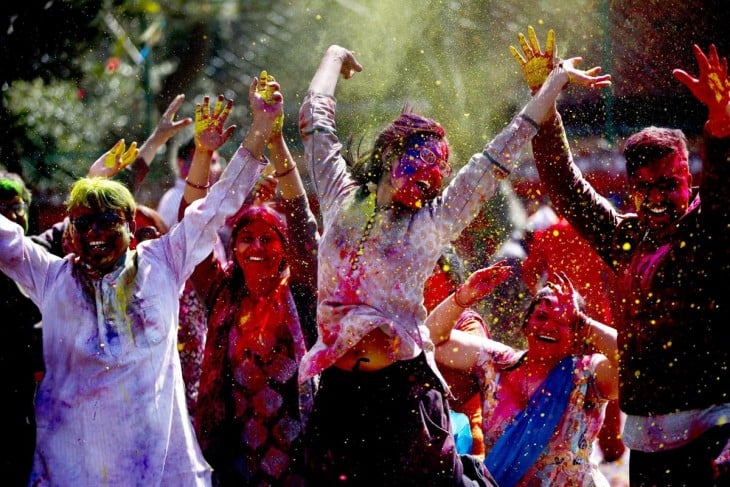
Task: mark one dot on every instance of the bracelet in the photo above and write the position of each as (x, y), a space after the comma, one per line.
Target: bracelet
(197, 186)
(530, 120)
(282, 174)
(456, 299)
(503, 170)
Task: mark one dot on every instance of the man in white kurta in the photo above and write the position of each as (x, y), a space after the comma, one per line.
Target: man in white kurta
(111, 407)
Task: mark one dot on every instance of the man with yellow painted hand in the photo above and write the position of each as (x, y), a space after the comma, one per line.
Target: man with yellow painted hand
(674, 369)
(535, 64)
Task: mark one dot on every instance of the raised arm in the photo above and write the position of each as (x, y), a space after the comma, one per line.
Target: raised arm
(442, 319)
(458, 349)
(133, 164)
(337, 60)
(209, 136)
(546, 76)
(590, 336)
(285, 168)
(166, 129)
(113, 160)
(711, 87)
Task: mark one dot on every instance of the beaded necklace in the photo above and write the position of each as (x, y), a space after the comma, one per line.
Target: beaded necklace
(372, 209)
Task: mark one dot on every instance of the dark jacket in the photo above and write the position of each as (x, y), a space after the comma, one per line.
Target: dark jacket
(671, 308)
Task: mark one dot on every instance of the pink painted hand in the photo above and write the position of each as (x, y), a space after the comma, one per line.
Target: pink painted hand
(481, 283)
(568, 298)
(711, 87)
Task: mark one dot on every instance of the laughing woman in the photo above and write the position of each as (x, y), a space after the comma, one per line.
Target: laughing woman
(543, 407)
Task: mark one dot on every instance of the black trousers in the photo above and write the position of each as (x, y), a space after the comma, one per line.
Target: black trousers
(390, 427)
(689, 465)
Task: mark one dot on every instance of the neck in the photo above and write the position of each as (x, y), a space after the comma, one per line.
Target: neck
(540, 365)
(384, 195)
(261, 286)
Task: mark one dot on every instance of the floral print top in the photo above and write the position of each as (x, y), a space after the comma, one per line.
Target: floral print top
(566, 458)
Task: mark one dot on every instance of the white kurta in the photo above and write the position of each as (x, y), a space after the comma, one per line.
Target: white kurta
(111, 407)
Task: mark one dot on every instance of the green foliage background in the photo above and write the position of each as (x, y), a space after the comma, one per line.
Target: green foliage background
(449, 59)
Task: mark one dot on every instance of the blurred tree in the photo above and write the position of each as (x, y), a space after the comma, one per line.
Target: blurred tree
(78, 74)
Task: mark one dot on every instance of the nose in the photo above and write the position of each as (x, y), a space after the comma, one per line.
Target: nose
(654, 194)
(256, 243)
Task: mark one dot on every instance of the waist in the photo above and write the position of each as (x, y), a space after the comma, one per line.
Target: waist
(673, 430)
(400, 371)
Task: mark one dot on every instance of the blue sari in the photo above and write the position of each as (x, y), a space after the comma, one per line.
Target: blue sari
(529, 432)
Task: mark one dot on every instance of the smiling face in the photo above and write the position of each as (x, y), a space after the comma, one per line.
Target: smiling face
(417, 174)
(547, 331)
(99, 238)
(661, 191)
(258, 251)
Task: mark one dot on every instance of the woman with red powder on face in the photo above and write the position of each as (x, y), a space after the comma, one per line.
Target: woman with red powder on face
(380, 416)
(543, 407)
(251, 408)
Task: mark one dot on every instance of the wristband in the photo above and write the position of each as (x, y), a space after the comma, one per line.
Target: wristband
(503, 170)
(197, 186)
(529, 120)
(289, 170)
(456, 299)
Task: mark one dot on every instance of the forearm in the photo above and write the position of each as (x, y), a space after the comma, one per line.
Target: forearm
(599, 337)
(148, 150)
(542, 105)
(196, 183)
(443, 318)
(290, 183)
(328, 72)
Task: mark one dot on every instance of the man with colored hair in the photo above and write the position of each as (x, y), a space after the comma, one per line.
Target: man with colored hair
(111, 406)
(21, 357)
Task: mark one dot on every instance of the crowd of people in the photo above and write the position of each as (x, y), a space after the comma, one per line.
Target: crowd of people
(224, 339)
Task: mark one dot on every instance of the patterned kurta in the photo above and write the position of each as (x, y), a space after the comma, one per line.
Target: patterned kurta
(252, 409)
(383, 286)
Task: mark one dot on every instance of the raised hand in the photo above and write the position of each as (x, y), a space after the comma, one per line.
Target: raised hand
(168, 127)
(568, 297)
(266, 87)
(267, 104)
(209, 131)
(114, 160)
(535, 64)
(590, 77)
(481, 283)
(712, 87)
(350, 65)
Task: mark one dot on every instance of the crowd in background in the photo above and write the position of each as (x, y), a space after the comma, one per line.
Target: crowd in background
(231, 336)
